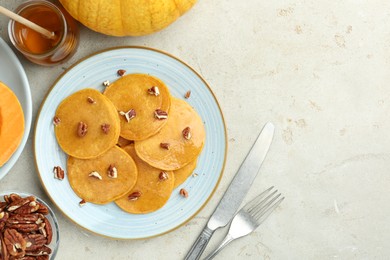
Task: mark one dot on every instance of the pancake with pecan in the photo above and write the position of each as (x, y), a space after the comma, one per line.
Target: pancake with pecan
(152, 190)
(142, 102)
(86, 124)
(103, 179)
(178, 143)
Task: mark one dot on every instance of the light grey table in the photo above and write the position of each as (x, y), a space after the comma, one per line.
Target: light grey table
(320, 71)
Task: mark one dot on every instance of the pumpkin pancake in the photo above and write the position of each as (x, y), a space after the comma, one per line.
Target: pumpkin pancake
(183, 173)
(86, 124)
(94, 179)
(137, 97)
(152, 190)
(174, 147)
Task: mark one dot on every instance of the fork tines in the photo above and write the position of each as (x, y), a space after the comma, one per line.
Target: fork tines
(260, 208)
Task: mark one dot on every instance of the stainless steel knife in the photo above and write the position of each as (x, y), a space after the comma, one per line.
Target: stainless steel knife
(236, 191)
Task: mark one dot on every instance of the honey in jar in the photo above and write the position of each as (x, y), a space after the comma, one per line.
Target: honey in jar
(37, 47)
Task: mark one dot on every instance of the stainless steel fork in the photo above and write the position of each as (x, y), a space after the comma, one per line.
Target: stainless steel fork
(250, 217)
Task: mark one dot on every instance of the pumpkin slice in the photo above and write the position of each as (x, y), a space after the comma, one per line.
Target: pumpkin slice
(132, 92)
(11, 123)
(181, 150)
(152, 191)
(89, 107)
(94, 179)
(183, 173)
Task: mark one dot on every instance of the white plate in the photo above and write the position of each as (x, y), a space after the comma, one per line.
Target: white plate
(13, 75)
(109, 220)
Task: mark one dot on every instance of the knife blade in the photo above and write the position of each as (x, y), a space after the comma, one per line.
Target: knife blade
(236, 191)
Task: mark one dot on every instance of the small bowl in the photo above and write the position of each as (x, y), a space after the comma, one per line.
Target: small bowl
(50, 217)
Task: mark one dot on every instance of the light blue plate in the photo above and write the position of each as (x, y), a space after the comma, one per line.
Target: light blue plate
(13, 75)
(109, 220)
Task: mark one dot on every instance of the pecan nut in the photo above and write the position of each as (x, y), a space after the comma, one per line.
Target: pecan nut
(59, 173)
(91, 100)
(187, 133)
(3, 248)
(34, 241)
(163, 176)
(105, 128)
(183, 193)
(82, 129)
(165, 146)
(3, 220)
(82, 202)
(129, 114)
(160, 114)
(135, 195)
(56, 120)
(3, 205)
(17, 203)
(14, 242)
(41, 251)
(12, 197)
(121, 72)
(112, 171)
(187, 94)
(154, 91)
(42, 209)
(46, 230)
(106, 83)
(95, 175)
(27, 208)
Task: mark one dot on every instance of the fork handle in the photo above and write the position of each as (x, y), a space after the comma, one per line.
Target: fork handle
(200, 244)
(224, 243)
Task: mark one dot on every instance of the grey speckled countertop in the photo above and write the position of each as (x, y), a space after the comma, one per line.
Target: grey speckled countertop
(320, 71)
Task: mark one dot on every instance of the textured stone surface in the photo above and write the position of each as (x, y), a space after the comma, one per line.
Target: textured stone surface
(320, 71)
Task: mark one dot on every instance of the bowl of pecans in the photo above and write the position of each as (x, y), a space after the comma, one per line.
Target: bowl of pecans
(28, 227)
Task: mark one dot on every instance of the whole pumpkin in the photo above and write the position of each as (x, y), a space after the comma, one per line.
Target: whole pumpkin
(127, 17)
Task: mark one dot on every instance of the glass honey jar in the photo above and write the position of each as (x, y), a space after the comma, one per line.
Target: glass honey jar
(37, 47)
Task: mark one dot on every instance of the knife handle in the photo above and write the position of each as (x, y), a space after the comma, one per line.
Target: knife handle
(200, 244)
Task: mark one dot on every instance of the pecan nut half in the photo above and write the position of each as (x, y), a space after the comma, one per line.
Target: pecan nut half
(105, 128)
(56, 120)
(14, 242)
(95, 175)
(187, 133)
(135, 195)
(12, 197)
(121, 72)
(34, 241)
(59, 173)
(17, 203)
(165, 146)
(129, 114)
(163, 176)
(154, 91)
(184, 193)
(91, 100)
(41, 251)
(82, 129)
(112, 171)
(160, 114)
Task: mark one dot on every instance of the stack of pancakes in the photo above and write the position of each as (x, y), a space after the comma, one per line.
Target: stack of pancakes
(150, 139)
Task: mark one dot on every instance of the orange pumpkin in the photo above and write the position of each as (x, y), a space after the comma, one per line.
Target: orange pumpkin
(11, 123)
(127, 17)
